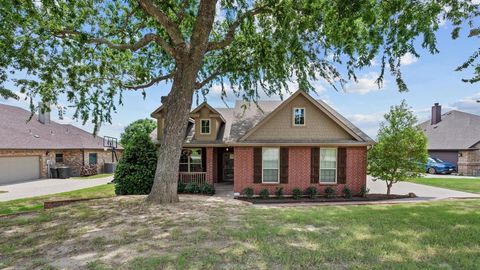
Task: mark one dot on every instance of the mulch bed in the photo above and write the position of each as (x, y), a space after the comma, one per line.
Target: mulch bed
(369, 197)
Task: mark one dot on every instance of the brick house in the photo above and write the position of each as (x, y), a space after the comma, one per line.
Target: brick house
(454, 137)
(297, 143)
(27, 149)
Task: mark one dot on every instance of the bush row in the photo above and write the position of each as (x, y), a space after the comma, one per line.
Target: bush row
(310, 192)
(194, 188)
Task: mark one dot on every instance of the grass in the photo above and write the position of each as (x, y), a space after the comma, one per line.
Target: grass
(461, 184)
(201, 233)
(36, 203)
(100, 175)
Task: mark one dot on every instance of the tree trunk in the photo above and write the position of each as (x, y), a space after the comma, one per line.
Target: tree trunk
(389, 186)
(177, 110)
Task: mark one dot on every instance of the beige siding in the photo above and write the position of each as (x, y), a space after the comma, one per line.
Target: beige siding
(469, 162)
(205, 113)
(317, 125)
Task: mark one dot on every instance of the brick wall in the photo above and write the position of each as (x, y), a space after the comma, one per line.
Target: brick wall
(299, 171)
(210, 165)
(71, 158)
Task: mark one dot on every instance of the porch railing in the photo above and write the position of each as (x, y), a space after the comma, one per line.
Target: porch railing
(192, 177)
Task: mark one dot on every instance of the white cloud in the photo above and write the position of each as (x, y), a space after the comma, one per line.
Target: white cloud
(368, 123)
(408, 59)
(365, 84)
(468, 104)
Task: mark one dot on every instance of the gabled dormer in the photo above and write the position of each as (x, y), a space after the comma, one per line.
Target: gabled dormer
(207, 122)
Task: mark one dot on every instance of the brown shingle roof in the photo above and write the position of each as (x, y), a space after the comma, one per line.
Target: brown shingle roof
(457, 130)
(16, 133)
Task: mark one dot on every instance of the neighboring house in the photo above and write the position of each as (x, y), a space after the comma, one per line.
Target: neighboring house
(299, 142)
(454, 137)
(27, 148)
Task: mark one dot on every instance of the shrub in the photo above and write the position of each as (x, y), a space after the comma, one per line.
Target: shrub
(347, 193)
(364, 191)
(207, 189)
(136, 169)
(264, 194)
(296, 193)
(311, 192)
(181, 187)
(140, 127)
(329, 192)
(248, 192)
(279, 192)
(192, 188)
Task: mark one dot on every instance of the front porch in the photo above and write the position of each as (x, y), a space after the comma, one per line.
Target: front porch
(206, 165)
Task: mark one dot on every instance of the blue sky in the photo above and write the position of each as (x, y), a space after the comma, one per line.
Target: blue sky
(430, 78)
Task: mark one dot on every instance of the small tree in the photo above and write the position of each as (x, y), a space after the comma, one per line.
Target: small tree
(136, 128)
(136, 169)
(401, 151)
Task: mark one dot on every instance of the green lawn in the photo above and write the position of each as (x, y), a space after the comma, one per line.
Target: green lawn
(461, 184)
(36, 203)
(100, 175)
(200, 233)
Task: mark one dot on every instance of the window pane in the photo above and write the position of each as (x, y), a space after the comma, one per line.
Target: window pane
(270, 175)
(299, 116)
(328, 158)
(205, 128)
(327, 175)
(270, 164)
(92, 158)
(183, 167)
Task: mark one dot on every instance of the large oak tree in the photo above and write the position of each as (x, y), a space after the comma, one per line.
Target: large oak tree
(92, 51)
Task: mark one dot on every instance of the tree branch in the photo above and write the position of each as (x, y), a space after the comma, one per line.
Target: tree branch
(152, 82)
(172, 29)
(144, 41)
(212, 76)
(229, 37)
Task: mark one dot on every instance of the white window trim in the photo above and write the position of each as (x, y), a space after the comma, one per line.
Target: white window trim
(304, 116)
(320, 167)
(189, 162)
(209, 126)
(278, 165)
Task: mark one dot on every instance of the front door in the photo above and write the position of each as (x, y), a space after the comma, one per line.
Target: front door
(228, 167)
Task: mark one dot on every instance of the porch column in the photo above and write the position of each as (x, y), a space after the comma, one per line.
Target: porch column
(210, 165)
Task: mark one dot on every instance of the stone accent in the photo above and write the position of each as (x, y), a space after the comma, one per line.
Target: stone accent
(299, 171)
(469, 162)
(72, 158)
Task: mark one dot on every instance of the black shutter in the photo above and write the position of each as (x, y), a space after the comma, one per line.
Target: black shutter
(257, 165)
(315, 165)
(284, 165)
(341, 165)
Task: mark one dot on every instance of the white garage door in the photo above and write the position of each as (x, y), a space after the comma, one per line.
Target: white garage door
(18, 169)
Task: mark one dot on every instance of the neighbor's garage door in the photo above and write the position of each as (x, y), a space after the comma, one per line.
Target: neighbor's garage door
(18, 169)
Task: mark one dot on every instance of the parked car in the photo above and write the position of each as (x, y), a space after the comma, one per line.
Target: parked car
(436, 165)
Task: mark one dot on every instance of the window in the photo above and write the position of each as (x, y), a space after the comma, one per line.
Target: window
(328, 165)
(270, 165)
(205, 126)
(299, 116)
(58, 158)
(92, 158)
(191, 160)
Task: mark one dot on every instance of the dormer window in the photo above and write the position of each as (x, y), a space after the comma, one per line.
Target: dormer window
(205, 126)
(298, 116)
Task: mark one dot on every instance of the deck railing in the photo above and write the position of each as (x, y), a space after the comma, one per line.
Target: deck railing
(192, 177)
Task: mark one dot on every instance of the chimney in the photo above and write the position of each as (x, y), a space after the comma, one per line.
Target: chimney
(43, 114)
(436, 114)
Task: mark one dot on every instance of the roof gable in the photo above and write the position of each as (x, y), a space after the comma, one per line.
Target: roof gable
(339, 127)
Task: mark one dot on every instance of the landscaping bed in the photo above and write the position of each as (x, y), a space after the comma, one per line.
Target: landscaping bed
(369, 197)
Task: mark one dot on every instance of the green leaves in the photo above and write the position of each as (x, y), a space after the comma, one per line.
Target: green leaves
(401, 150)
(90, 51)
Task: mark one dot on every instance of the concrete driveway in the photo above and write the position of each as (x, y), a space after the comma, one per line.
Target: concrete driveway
(423, 192)
(48, 186)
